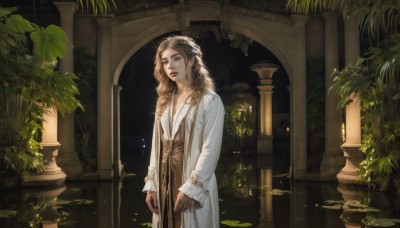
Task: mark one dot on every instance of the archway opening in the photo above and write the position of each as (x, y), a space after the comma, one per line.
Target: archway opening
(236, 84)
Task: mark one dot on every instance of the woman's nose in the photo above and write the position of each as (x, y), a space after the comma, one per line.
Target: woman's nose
(171, 65)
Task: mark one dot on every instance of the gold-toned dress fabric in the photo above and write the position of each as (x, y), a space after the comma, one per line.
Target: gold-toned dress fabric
(171, 176)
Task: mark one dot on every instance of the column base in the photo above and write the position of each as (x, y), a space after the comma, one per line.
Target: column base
(71, 164)
(349, 175)
(45, 179)
(52, 175)
(331, 164)
(264, 144)
(118, 167)
(106, 174)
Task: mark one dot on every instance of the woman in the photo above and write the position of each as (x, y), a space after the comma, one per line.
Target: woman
(181, 185)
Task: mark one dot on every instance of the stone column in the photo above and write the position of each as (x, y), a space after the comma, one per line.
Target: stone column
(298, 108)
(349, 173)
(117, 138)
(105, 158)
(52, 175)
(265, 71)
(332, 158)
(68, 158)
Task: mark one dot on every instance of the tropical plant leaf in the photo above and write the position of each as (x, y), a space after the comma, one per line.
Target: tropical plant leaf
(17, 23)
(50, 43)
(6, 11)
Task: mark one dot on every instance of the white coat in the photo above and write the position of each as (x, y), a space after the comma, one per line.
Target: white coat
(199, 161)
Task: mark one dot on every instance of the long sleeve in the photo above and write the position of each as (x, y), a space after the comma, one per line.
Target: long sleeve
(149, 179)
(197, 185)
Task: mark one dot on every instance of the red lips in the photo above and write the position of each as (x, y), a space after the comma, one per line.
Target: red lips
(173, 74)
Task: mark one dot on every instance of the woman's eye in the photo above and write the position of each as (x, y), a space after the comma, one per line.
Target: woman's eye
(177, 58)
(165, 62)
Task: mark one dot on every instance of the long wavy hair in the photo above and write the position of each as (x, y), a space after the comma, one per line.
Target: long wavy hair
(200, 77)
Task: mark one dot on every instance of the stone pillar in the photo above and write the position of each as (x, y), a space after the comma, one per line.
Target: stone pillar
(298, 108)
(52, 175)
(332, 158)
(349, 173)
(105, 158)
(117, 138)
(265, 71)
(68, 158)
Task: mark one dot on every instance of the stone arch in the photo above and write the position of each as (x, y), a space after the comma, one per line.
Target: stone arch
(283, 36)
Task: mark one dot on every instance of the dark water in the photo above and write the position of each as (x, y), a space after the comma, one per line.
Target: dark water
(248, 194)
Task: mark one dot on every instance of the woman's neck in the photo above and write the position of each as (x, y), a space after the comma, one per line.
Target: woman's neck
(182, 89)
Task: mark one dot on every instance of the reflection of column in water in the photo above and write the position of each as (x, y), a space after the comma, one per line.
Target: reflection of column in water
(105, 205)
(117, 202)
(266, 209)
(49, 195)
(329, 192)
(351, 219)
(298, 212)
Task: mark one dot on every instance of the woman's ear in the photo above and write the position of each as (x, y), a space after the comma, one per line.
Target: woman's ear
(190, 62)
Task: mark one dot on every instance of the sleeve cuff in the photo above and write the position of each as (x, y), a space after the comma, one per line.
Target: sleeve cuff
(149, 186)
(194, 192)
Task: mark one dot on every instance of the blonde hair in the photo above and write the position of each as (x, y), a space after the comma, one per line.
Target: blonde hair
(200, 81)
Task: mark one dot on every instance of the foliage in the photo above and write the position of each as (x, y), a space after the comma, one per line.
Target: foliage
(315, 112)
(237, 122)
(28, 87)
(374, 17)
(96, 6)
(86, 126)
(374, 78)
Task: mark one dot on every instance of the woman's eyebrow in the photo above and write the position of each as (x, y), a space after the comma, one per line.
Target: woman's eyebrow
(171, 56)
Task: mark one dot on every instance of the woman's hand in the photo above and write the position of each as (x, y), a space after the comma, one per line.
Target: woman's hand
(151, 200)
(183, 202)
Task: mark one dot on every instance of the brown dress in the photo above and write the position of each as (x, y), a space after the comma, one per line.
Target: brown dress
(171, 176)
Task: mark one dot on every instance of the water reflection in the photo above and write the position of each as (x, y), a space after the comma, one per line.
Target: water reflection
(251, 192)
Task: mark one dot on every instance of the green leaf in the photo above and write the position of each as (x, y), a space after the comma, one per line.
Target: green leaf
(17, 23)
(6, 11)
(7, 213)
(50, 43)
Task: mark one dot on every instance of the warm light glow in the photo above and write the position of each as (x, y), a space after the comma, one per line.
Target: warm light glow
(343, 132)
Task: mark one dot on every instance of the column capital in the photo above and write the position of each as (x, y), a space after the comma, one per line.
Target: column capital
(299, 18)
(265, 70)
(105, 20)
(329, 16)
(265, 88)
(66, 6)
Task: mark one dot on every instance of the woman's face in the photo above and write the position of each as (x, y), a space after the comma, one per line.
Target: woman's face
(175, 67)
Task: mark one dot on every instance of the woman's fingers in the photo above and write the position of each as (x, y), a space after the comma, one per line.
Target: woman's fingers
(151, 200)
(183, 202)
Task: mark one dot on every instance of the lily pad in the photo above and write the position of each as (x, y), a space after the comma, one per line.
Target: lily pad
(236, 223)
(333, 207)
(146, 224)
(76, 201)
(278, 192)
(7, 213)
(130, 174)
(352, 205)
(381, 222)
